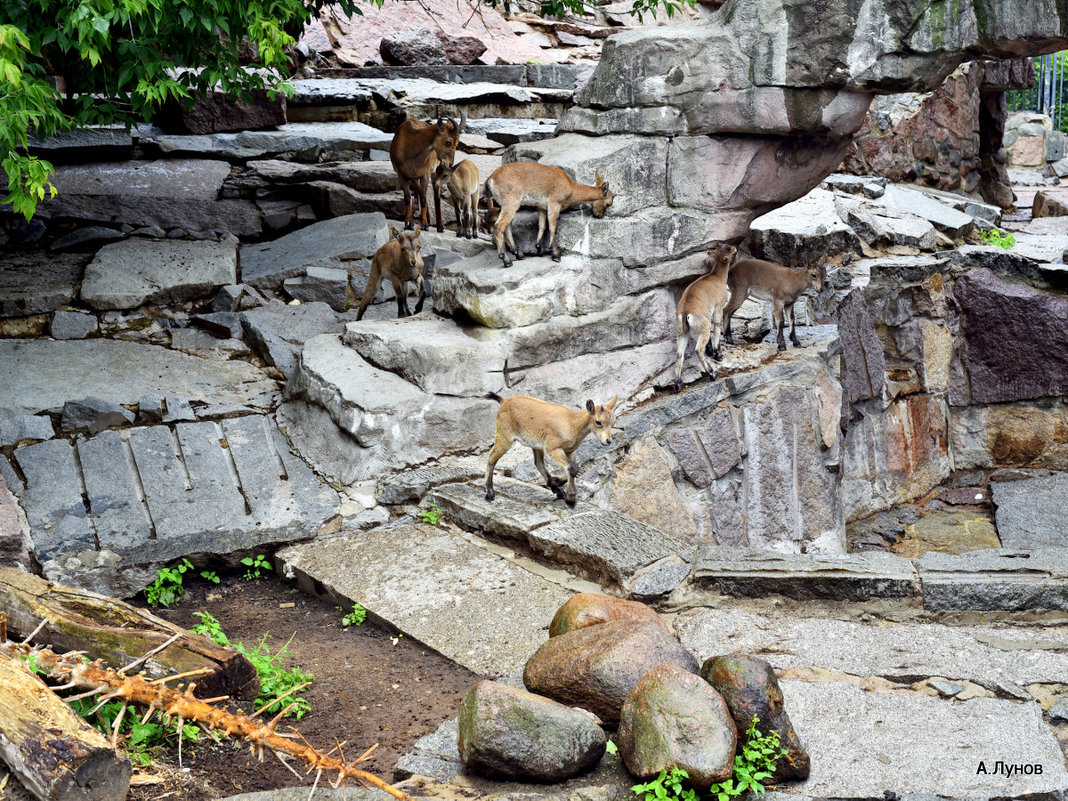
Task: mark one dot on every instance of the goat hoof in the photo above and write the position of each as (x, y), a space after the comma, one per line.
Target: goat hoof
(441, 229)
(490, 495)
(711, 375)
(520, 255)
(728, 339)
(782, 346)
(677, 387)
(570, 500)
(717, 354)
(556, 257)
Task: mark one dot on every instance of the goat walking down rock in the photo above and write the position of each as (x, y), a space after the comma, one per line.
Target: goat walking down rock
(548, 428)
(700, 312)
(400, 261)
(550, 190)
(767, 281)
(416, 151)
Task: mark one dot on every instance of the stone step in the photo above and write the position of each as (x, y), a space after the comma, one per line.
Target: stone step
(331, 141)
(549, 76)
(1011, 580)
(106, 511)
(849, 577)
(474, 607)
(600, 544)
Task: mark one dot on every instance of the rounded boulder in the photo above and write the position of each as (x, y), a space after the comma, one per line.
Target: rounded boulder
(508, 733)
(592, 608)
(750, 688)
(674, 719)
(595, 667)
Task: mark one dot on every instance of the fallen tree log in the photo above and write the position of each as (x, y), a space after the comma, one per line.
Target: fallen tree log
(118, 633)
(54, 753)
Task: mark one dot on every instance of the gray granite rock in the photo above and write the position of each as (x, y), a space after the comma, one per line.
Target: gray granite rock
(44, 374)
(404, 574)
(73, 325)
(31, 284)
(855, 577)
(86, 238)
(945, 218)
(947, 689)
(128, 274)
(17, 427)
(92, 415)
(517, 510)
(995, 579)
(886, 226)
(327, 284)
(1058, 710)
(329, 243)
(277, 333)
(332, 139)
(435, 755)
(800, 233)
(1031, 513)
(660, 579)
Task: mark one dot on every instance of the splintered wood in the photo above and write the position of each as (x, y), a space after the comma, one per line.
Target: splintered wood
(152, 696)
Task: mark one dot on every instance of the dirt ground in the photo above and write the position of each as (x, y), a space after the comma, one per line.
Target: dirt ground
(367, 688)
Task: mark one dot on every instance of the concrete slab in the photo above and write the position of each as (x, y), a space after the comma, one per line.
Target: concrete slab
(435, 587)
(896, 744)
(1031, 512)
(41, 375)
(995, 658)
(147, 496)
(853, 577)
(1004, 579)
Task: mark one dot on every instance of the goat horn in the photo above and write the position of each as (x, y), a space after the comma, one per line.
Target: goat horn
(463, 121)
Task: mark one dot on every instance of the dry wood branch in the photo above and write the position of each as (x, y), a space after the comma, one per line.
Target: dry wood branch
(94, 678)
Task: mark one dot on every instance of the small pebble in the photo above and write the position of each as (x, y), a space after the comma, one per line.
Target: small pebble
(946, 689)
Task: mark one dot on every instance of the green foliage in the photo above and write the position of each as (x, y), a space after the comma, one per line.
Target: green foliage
(140, 737)
(431, 515)
(355, 617)
(210, 575)
(256, 565)
(611, 748)
(167, 589)
(275, 681)
(753, 765)
(669, 784)
(998, 238)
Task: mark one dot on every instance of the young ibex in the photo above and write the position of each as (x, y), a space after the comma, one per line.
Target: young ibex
(416, 150)
(399, 260)
(465, 189)
(525, 183)
(767, 281)
(700, 312)
(548, 429)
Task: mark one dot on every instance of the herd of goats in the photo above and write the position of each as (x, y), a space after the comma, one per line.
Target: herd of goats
(423, 153)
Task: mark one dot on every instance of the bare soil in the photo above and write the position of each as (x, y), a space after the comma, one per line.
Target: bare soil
(368, 689)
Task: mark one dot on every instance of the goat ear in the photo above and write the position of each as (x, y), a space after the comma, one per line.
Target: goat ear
(590, 407)
(415, 233)
(597, 179)
(394, 233)
(612, 403)
(441, 124)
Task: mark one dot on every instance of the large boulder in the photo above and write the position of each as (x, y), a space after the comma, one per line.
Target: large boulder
(508, 733)
(591, 608)
(674, 719)
(750, 688)
(597, 666)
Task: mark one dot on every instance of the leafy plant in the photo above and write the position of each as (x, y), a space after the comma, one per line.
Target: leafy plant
(753, 764)
(669, 784)
(275, 680)
(611, 748)
(210, 575)
(256, 565)
(167, 589)
(998, 238)
(355, 617)
(140, 736)
(431, 515)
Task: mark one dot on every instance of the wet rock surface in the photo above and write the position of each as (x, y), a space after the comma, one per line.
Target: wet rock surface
(590, 609)
(508, 733)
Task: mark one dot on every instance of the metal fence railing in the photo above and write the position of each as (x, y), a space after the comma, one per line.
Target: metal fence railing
(1048, 94)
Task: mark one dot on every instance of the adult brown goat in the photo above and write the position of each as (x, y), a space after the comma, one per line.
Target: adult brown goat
(416, 151)
(766, 280)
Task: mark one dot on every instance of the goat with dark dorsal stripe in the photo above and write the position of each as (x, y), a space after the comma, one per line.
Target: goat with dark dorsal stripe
(416, 150)
(765, 280)
(465, 190)
(548, 428)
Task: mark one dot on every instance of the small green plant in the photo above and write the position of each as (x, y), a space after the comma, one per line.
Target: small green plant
(669, 784)
(611, 748)
(753, 764)
(210, 575)
(167, 589)
(275, 681)
(355, 617)
(431, 515)
(998, 238)
(140, 737)
(256, 566)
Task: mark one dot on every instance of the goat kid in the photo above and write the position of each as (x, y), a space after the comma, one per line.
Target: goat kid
(399, 260)
(700, 312)
(767, 281)
(548, 428)
(416, 150)
(550, 190)
(465, 190)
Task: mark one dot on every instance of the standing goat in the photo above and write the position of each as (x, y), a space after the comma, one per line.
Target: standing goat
(548, 428)
(767, 281)
(465, 190)
(399, 260)
(525, 183)
(416, 150)
(700, 312)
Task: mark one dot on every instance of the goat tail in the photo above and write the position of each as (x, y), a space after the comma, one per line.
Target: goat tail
(494, 396)
(682, 324)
